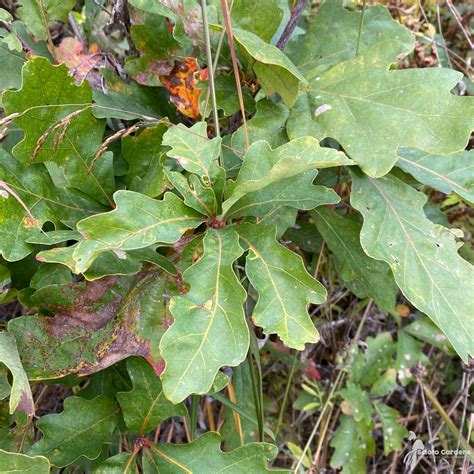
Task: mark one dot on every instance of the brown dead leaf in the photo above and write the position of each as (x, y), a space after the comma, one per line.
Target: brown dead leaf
(181, 82)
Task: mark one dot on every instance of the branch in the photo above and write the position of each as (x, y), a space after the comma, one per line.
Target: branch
(290, 27)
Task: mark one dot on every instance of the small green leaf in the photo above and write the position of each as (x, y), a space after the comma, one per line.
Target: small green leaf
(145, 406)
(272, 67)
(15, 462)
(393, 433)
(117, 464)
(136, 222)
(352, 443)
(12, 41)
(386, 383)
(410, 353)
(80, 430)
(12, 62)
(209, 330)
(205, 455)
(423, 257)
(451, 173)
(356, 402)
(196, 153)
(362, 274)
(20, 397)
(284, 287)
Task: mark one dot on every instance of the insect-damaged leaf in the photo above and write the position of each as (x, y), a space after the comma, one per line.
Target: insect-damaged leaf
(205, 455)
(80, 430)
(423, 257)
(363, 275)
(20, 395)
(44, 202)
(209, 330)
(270, 179)
(136, 222)
(357, 102)
(94, 325)
(145, 406)
(284, 287)
(181, 82)
(446, 173)
(47, 99)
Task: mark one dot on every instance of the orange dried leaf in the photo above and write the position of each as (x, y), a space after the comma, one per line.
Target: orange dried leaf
(181, 82)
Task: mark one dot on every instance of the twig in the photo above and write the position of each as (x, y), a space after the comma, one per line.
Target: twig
(230, 38)
(458, 18)
(291, 25)
(75, 29)
(287, 391)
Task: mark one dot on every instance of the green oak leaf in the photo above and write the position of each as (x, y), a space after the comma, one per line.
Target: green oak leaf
(356, 402)
(356, 102)
(45, 202)
(48, 94)
(37, 14)
(261, 17)
(20, 396)
(393, 433)
(47, 275)
(136, 222)
(284, 287)
(209, 330)
(12, 62)
(143, 153)
(423, 257)
(445, 173)
(385, 384)
(270, 179)
(334, 31)
(195, 195)
(94, 325)
(16, 462)
(363, 275)
(273, 68)
(196, 153)
(145, 406)
(80, 430)
(205, 455)
(352, 443)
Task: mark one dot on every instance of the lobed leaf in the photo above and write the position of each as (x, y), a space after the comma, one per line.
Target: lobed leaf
(284, 287)
(423, 257)
(209, 330)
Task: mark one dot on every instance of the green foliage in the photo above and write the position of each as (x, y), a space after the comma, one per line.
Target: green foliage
(128, 231)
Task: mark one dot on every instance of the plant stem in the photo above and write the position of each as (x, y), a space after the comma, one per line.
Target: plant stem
(210, 70)
(230, 38)
(287, 391)
(290, 27)
(194, 416)
(361, 25)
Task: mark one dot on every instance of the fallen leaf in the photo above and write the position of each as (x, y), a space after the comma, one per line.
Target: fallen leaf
(181, 82)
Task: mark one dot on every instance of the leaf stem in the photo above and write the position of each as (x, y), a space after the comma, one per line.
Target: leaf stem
(210, 69)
